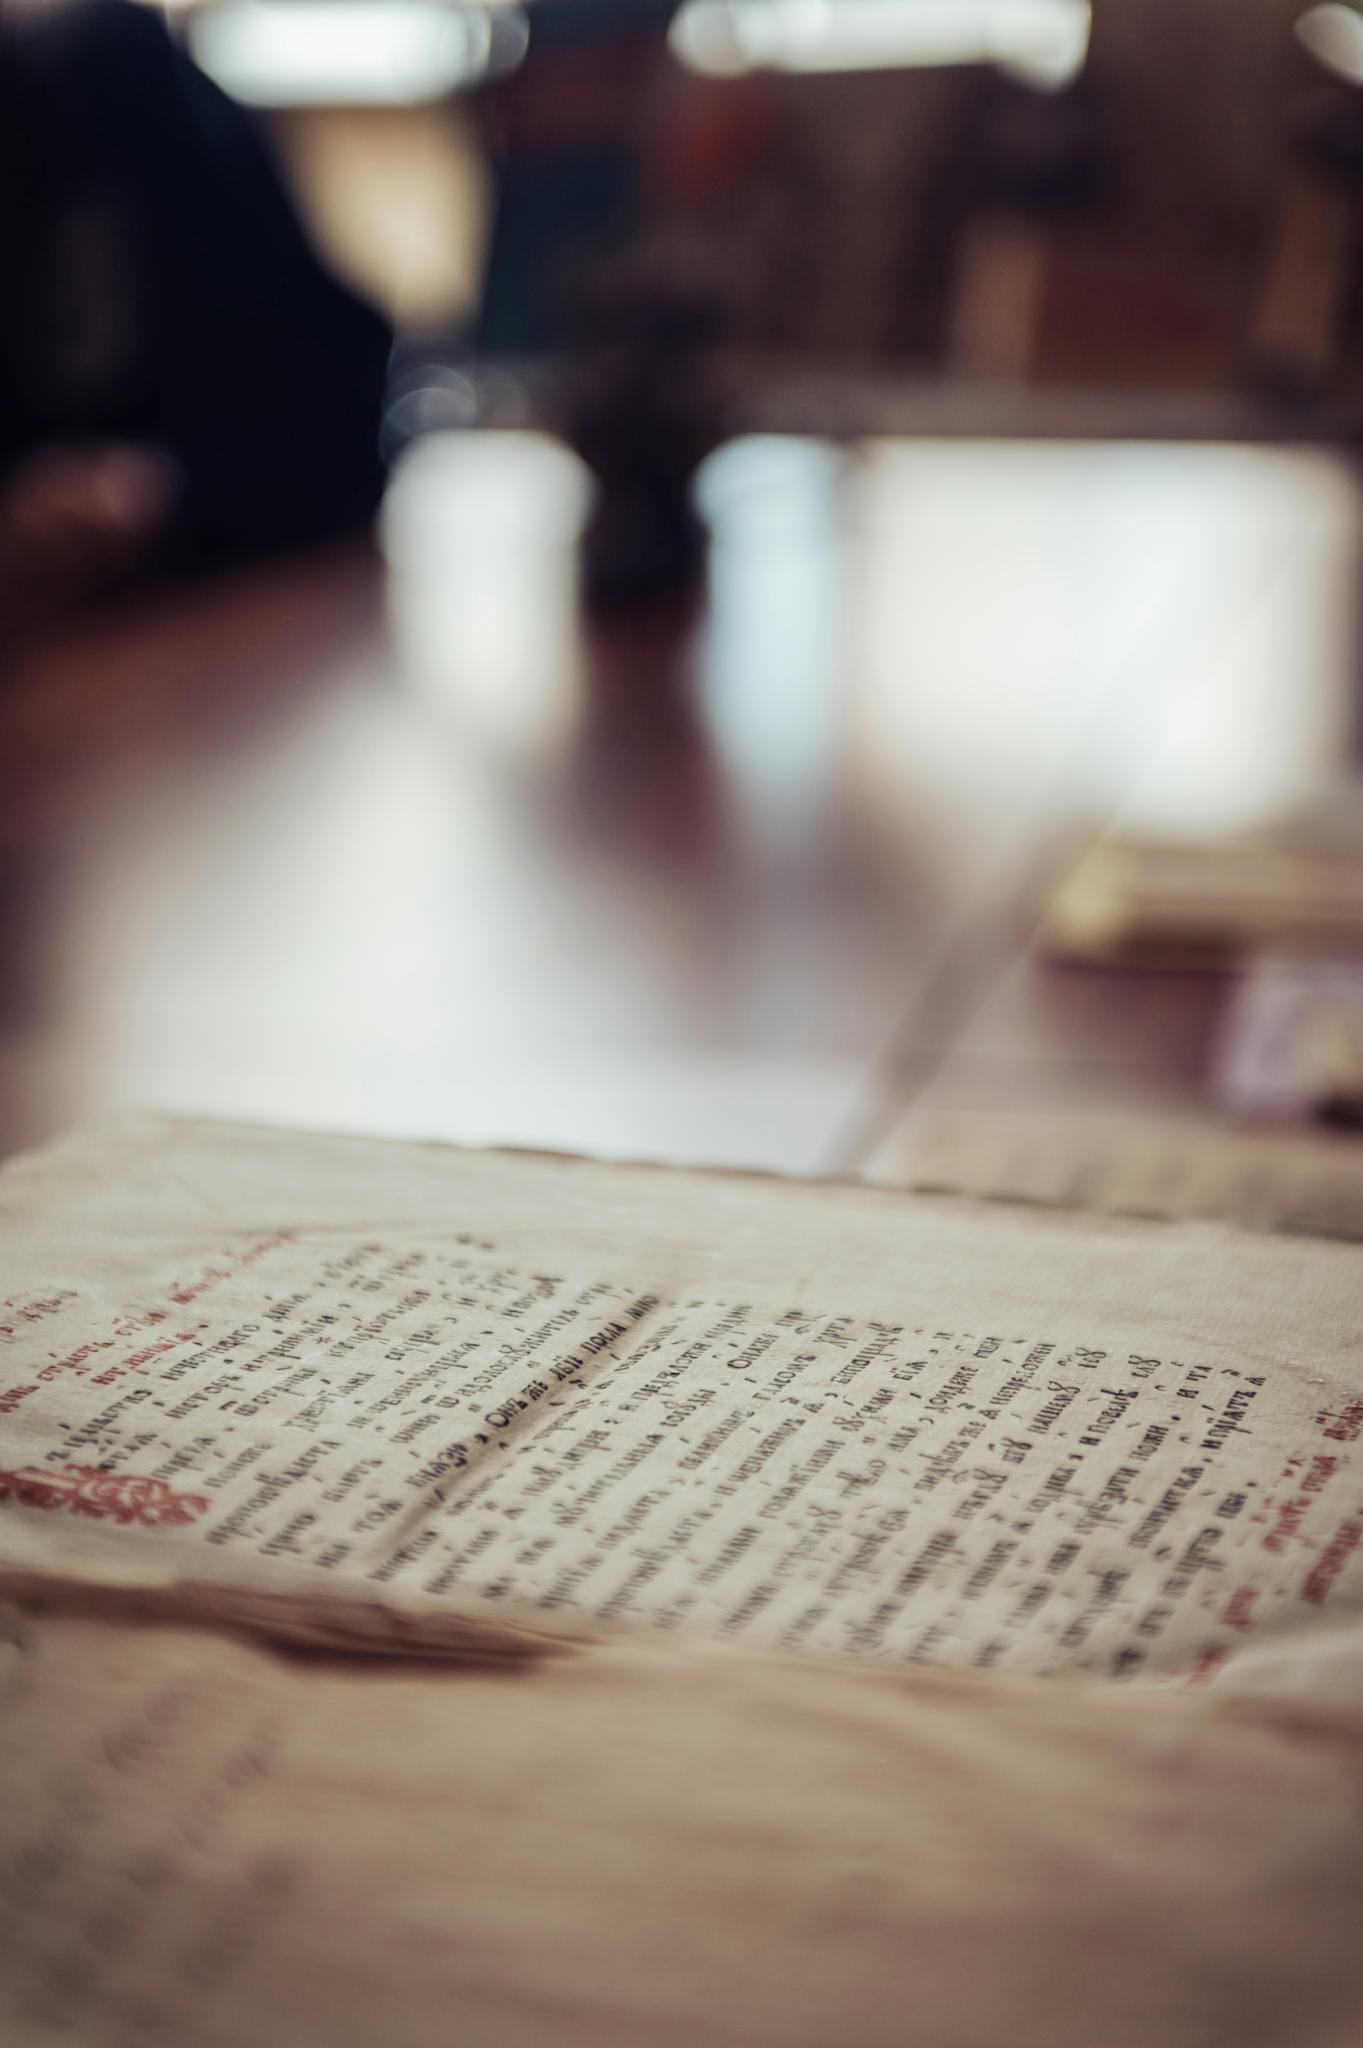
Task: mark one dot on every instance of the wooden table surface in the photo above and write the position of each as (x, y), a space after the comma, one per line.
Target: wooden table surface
(407, 847)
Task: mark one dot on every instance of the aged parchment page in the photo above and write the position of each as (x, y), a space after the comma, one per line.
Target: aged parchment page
(1161, 1167)
(207, 1845)
(838, 1418)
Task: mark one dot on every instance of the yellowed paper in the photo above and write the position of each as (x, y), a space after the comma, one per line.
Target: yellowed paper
(842, 1419)
(209, 1846)
(1165, 1168)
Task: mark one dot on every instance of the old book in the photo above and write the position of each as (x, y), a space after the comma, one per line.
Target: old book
(516, 1390)
(494, 1597)
(1157, 900)
(1164, 1167)
(654, 1840)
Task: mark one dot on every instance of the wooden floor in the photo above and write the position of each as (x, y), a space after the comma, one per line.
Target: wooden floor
(407, 848)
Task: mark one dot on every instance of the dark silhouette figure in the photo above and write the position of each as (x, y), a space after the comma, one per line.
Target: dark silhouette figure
(180, 379)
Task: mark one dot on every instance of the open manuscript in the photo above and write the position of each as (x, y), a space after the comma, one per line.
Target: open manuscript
(680, 1532)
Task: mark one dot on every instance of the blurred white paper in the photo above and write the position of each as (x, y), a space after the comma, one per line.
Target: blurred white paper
(1293, 1042)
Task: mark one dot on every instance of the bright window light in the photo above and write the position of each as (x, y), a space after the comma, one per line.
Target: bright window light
(1334, 36)
(290, 53)
(1044, 40)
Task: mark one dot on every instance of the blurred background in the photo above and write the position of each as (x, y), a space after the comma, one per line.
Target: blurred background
(712, 580)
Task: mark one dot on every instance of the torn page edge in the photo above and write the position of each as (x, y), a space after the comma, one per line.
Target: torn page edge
(476, 1636)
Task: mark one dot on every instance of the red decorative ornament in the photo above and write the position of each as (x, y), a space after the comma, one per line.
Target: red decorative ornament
(107, 1496)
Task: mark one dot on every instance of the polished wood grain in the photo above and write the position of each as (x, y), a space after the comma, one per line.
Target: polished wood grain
(406, 846)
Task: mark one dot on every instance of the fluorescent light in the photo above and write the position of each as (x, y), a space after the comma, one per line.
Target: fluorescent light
(1045, 40)
(288, 53)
